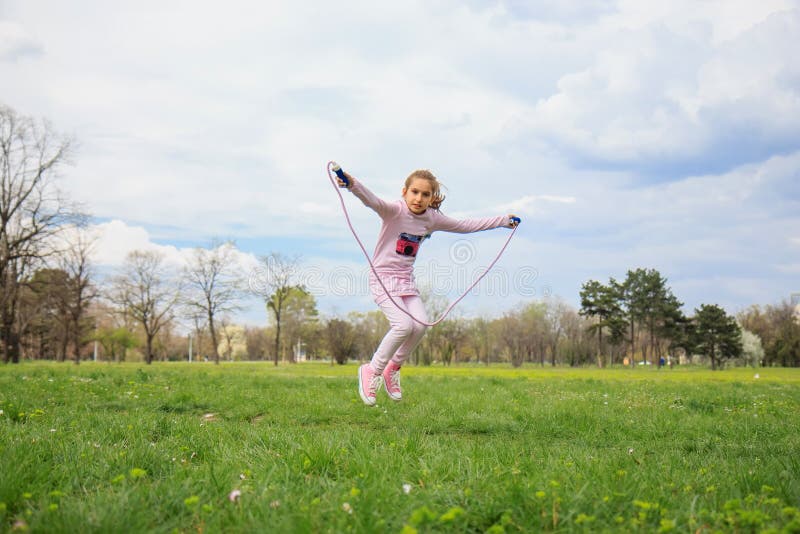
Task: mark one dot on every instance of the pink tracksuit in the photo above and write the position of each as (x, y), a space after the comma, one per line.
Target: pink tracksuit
(401, 235)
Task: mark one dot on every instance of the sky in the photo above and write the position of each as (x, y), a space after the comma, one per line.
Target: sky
(626, 134)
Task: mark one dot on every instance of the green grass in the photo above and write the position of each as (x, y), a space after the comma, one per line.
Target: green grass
(110, 448)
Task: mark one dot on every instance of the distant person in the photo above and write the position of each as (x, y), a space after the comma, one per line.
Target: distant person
(407, 223)
(661, 362)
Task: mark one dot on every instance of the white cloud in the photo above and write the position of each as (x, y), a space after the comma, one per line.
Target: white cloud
(196, 120)
(16, 43)
(662, 97)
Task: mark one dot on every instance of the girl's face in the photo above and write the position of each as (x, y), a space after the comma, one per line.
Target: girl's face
(418, 195)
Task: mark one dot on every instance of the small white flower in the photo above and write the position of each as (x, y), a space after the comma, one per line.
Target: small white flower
(406, 488)
(756, 376)
(630, 451)
(241, 476)
(1, 412)
(52, 430)
(347, 508)
(234, 495)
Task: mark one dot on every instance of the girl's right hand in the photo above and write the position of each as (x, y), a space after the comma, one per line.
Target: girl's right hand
(349, 178)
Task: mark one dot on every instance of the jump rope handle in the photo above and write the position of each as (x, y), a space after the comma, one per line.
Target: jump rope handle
(340, 173)
(515, 220)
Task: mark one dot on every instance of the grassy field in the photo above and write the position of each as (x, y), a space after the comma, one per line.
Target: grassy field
(254, 448)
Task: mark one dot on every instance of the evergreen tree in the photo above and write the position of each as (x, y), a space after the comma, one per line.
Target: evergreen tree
(603, 303)
(717, 335)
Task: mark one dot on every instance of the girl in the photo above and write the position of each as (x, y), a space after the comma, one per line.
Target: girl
(407, 223)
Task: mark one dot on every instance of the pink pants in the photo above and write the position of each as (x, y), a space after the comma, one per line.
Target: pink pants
(404, 333)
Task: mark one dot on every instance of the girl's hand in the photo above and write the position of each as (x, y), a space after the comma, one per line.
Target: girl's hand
(513, 220)
(349, 178)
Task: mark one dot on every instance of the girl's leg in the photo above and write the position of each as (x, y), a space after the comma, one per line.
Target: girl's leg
(415, 306)
(401, 328)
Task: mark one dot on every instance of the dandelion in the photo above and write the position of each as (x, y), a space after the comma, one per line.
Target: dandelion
(137, 473)
(234, 495)
(451, 515)
(275, 504)
(406, 488)
(192, 501)
(347, 508)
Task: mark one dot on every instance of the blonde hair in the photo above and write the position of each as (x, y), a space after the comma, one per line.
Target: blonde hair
(436, 187)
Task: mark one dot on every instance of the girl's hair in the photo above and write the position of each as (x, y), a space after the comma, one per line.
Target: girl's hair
(436, 187)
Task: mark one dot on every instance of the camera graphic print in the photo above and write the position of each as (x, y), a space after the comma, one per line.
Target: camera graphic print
(408, 244)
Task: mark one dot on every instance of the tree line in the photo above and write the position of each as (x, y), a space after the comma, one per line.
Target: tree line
(54, 305)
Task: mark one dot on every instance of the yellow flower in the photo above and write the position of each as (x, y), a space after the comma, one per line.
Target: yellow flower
(137, 473)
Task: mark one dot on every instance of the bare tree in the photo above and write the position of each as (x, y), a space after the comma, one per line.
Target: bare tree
(32, 210)
(144, 289)
(214, 285)
(75, 261)
(274, 282)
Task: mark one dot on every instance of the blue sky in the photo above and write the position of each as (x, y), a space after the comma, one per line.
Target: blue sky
(626, 134)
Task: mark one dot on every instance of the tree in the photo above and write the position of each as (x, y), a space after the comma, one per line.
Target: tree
(717, 335)
(752, 350)
(370, 328)
(42, 313)
(214, 286)
(146, 292)
(257, 342)
(299, 317)
(479, 340)
(556, 316)
(75, 261)
(32, 210)
(274, 283)
(115, 341)
(602, 303)
(534, 331)
(779, 329)
(341, 338)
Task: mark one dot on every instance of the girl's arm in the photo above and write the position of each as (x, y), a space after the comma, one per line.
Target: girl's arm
(466, 226)
(370, 199)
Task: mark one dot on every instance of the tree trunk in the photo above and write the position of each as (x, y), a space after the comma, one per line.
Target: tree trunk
(277, 337)
(149, 355)
(213, 331)
(633, 345)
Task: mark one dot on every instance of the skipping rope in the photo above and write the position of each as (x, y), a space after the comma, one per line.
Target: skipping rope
(338, 171)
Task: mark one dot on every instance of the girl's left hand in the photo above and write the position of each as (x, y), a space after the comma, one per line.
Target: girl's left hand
(512, 221)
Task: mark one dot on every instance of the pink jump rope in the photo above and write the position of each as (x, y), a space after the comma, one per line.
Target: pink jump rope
(332, 165)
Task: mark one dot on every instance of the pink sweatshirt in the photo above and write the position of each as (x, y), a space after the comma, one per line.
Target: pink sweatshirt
(401, 235)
